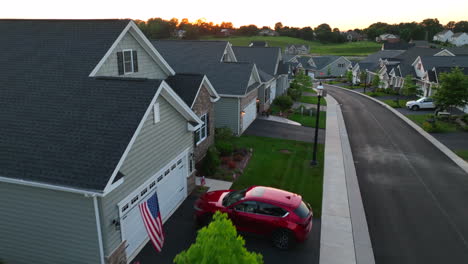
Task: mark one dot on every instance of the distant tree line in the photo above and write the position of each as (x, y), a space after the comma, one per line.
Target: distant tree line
(158, 28)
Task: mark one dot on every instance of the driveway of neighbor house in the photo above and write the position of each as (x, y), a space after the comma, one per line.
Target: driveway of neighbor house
(180, 233)
(272, 129)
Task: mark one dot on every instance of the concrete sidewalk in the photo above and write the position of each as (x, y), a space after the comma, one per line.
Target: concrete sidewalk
(279, 119)
(344, 234)
(213, 185)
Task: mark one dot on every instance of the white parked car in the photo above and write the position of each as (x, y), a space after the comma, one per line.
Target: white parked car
(421, 103)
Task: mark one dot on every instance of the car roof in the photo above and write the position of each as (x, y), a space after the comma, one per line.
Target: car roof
(273, 195)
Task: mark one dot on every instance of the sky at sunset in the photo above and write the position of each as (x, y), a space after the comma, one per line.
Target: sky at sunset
(299, 13)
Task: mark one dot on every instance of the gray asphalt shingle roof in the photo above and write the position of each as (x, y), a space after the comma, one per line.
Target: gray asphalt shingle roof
(203, 58)
(264, 57)
(59, 126)
(322, 61)
(186, 86)
(408, 57)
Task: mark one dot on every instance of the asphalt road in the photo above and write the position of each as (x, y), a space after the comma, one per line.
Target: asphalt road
(415, 197)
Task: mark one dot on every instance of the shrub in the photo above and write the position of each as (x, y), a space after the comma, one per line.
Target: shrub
(380, 90)
(225, 160)
(238, 157)
(295, 94)
(218, 243)
(284, 102)
(225, 148)
(211, 161)
(232, 164)
(431, 127)
(224, 134)
(373, 94)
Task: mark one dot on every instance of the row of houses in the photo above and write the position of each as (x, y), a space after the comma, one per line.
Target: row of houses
(318, 66)
(457, 39)
(423, 64)
(96, 118)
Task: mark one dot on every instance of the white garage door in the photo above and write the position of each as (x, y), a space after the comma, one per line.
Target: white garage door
(171, 187)
(273, 91)
(250, 114)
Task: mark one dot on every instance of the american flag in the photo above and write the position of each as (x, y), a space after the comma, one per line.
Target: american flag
(152, 219)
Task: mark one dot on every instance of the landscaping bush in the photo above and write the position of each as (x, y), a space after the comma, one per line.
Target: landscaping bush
(225, 148)
(223, 134)
(295, 94)
(431, 128)
(238, 157)
(373, 94)
(380, 90)
(284, 102)
(210, 162)
(225, 160)
(232, 164)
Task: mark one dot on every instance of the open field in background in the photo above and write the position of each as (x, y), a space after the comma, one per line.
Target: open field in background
(361, 48)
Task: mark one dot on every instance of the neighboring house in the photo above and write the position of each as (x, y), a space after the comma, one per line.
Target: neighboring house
(267, 61)
(258, 44)
(268, 32)
(459, 39)
(443, 36)
(179, 33)
(198, 93)
(453, 51)
(296, 49)
(90, 132)
(330, 66)
(354, 36)
(387, 37)
(427, 69)
(307, 64)
(236, 83)
(227, 32)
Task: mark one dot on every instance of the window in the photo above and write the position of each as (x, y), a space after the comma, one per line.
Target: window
(157, 116)
(271, 210)
(202, 133)
(340, 65)
(247, 207)
(267, 95)
(127, 61)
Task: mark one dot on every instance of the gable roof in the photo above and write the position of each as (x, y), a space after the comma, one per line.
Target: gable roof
(407, 58)
(458, 51)
(434, 74)
(322, 61)
(266, 58)
(191, 57)
(430, 62)
(456, 35)
(304, 61)
(443, 32)
(187, 86)
(59, 126)
(183, 53)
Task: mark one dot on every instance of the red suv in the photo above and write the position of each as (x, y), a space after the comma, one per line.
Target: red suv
(268, 211)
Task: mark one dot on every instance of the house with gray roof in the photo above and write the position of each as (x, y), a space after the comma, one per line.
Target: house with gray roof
(297, 49)
(90, 129)
(459, 39)
(330, 66)
(236, 83)
(268, 61)
(443, 36)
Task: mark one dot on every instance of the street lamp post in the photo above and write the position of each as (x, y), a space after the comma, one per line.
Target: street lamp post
(314, 155)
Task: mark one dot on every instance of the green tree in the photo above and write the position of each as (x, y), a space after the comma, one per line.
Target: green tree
(409, 88)
(453, 89)
(349, 77)
(218, 243)
(376, 81)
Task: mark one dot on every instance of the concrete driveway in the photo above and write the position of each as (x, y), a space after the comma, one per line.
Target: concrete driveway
(181, 233)
(272, 129)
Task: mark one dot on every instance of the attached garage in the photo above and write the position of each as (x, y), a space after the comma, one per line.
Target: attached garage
(170, 184)
(249, 114)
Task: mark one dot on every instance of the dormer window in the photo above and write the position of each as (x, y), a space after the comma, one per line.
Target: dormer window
(127, 61)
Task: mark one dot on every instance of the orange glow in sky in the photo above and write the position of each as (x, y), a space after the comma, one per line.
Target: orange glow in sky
(299, 13)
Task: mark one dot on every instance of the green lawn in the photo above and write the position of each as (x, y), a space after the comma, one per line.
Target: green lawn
(312, 100)
(361, 48)
(291, 171)
(442, 126)
(309, 121)
(309, 90)
(376, 94)
(394, 104)
(462, 153)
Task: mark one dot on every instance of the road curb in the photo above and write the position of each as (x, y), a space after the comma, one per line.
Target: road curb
(444, 149)
(344, 232)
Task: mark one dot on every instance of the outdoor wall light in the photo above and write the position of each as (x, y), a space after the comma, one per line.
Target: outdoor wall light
(242, 113)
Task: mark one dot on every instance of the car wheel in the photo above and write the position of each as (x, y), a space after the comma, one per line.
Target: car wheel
(415, 108)
(282, 239)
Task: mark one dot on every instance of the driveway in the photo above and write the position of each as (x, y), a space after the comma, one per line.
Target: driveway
(180, 233)
(272, 129)
(414, 196)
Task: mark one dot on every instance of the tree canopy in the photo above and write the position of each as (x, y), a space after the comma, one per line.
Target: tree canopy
(453, 89)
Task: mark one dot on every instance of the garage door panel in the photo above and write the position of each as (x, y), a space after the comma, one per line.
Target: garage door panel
(250, 114)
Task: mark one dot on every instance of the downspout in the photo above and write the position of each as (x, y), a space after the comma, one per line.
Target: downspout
(99, 232)
(238, 116)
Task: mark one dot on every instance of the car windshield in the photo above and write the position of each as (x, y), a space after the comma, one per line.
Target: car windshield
(302, 210)
(421, 100)
(233, 197)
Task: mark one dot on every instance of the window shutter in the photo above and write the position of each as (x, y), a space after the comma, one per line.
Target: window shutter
(207, 124)
(120, 62)
(156, 113)
(135, 61)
